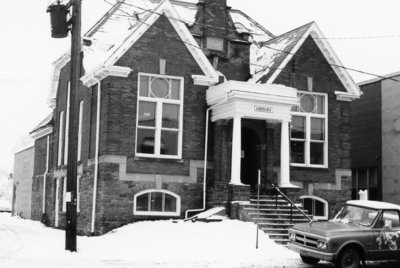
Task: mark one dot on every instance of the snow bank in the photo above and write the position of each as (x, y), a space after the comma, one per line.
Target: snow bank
(229, 243)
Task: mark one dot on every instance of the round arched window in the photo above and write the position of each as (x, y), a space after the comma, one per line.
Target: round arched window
(316, 206)
(155, 202)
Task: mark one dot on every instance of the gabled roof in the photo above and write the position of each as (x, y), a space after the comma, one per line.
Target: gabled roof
(123, 19)
(276, 53)
(45, 127)
(102, 56)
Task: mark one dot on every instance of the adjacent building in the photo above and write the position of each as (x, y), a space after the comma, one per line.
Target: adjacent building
(22, 181)
(375, 139)
(182, 106)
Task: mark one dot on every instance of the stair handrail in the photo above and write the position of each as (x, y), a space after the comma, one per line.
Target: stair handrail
(291, 202)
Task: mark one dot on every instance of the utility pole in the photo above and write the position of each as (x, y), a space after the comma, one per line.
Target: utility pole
(60, 29)
(70, 226)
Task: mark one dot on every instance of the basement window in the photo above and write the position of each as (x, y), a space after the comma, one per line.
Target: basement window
(157, 203)
(316, 206)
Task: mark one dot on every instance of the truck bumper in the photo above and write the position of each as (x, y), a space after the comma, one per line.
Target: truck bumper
(312, 252)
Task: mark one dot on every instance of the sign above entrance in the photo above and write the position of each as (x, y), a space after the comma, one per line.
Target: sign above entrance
(263, 109)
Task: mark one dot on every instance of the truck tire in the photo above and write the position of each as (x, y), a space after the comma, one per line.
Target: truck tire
(349, 258)
(309, 260)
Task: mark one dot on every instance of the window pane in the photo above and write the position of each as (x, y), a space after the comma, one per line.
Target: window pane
(307, 103)
(320, 104)
(297, 152)
(170, 203)
(145, 141)
(169, 142)
(175, 89)
(298, 127)
(142, 202)
(170, 117)
(156, 201)
(317, 129)
(147, 114)
(307, 204)
(319, 208)
(316, 153)
(160, 87)
(144, 86)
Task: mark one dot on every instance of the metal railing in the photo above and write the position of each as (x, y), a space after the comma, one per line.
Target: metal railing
(292, 204)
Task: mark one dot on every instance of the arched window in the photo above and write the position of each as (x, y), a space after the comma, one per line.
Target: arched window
(157, 203)
(315, 206)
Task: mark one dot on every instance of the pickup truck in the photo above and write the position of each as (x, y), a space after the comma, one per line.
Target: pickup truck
(362, 230)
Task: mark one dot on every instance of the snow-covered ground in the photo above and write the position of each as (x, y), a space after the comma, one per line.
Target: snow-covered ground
(230, 243)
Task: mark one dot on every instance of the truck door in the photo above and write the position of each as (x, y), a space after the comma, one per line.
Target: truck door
(387, 235)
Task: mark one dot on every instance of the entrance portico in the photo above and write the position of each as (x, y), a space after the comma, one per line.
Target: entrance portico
(242, 100)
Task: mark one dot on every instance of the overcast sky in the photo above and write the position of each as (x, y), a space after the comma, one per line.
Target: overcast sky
(365, 36)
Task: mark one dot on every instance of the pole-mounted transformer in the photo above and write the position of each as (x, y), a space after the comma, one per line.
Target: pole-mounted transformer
(58, 20)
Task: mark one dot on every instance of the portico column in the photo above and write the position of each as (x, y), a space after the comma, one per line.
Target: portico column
(236, 150)
(285, 162)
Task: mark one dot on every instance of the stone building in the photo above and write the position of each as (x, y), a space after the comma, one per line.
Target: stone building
(181, 107)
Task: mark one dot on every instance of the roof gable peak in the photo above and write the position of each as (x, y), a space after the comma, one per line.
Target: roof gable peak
(164, 8)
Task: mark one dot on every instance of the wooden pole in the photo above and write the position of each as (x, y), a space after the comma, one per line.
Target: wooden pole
(70, 226)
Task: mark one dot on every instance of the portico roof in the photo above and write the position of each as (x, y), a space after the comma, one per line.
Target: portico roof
(251, 100)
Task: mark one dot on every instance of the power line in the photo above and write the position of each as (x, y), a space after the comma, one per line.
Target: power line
(336, 65)
(253, 64)
(254, 33)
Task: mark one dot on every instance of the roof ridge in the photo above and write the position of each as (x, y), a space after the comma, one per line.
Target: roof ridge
(254, 21)
(307, 25)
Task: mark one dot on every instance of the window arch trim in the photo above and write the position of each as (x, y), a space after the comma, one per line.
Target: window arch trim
(177, 211)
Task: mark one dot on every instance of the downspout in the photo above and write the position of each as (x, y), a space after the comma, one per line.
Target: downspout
(96, 159)
(205, 159)
(45, 174)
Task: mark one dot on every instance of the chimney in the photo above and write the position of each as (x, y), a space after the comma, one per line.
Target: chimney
(216, 14)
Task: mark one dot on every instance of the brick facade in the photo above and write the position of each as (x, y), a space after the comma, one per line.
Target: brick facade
(122, 174)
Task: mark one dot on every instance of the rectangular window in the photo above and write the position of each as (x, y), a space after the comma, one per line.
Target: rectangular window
(308, 132)
(159, 116)
(60, 138)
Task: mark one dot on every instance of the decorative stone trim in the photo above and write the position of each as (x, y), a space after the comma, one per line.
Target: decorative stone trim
(148, 177)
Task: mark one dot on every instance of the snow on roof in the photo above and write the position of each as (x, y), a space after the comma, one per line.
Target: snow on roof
(374, 80)
(373, 204)
(43, 124)
(244, 23)
(276, 53)
(125, 16)
(271, 54)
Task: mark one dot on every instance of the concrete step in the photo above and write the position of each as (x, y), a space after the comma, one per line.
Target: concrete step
(279, 220)
(282, 242)
(275, 230)
(275, 225)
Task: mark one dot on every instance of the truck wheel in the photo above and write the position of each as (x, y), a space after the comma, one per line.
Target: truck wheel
(349, 258)
(309, 260)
